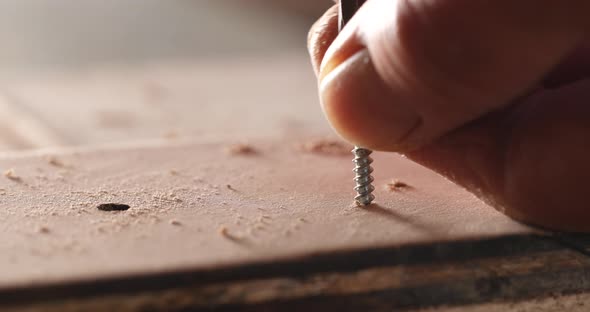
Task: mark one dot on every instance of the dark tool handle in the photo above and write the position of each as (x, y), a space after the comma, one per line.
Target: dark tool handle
(347, 10)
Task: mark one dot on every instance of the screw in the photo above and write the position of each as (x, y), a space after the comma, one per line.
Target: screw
(362, 160)
(363, 178)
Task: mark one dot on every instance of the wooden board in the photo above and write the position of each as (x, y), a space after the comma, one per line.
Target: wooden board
(282, 202)
(284, 236)
(203, 216)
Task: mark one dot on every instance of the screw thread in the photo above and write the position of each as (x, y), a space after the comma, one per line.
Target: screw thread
(363, 178)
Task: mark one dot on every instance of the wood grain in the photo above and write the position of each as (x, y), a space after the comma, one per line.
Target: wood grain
(283, 203)
(210, 228)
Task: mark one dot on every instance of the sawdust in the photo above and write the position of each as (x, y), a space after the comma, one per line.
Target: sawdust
(149, 207)
(52, 160)
(241, 149)
(175, 222)
(11, 174)
(327, 147)
(224, 232)
(396, 186)
(166, 197)
(43, 230)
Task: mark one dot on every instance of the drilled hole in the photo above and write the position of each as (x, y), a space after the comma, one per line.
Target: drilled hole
(113, 207)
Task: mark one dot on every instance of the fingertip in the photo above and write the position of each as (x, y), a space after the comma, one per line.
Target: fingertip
(362, 109)
(431, 62)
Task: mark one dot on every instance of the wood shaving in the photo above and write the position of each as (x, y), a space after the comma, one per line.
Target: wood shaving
(395, 186)
(11, 174)
(43, 230)
(327, 147)
(52, 160)
(259, 227)
(224, 232)
(175, 222)
(241, 149)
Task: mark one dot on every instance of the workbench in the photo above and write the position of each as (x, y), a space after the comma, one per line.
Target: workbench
(239, 197)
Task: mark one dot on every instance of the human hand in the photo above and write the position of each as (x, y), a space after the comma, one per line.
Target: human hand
(493, 95)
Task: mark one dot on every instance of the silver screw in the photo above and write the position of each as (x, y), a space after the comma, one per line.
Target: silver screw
(363, 178)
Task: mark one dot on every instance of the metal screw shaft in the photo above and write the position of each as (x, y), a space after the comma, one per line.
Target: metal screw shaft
(363, 178)
(363, 169)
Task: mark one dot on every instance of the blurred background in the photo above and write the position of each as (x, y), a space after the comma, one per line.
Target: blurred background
(61, 34)
(90, 72)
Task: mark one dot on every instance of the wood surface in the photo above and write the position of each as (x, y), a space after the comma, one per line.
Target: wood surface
(281, 202)
(235, 98)
(212, 226)
(204, 220)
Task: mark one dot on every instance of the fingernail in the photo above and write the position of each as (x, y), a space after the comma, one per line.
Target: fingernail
(361, 107)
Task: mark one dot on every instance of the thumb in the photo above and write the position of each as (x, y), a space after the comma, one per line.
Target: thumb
(403, 73)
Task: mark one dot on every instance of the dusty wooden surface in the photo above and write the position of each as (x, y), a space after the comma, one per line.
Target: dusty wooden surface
(209, 228)
(282, 236)
(279, 203)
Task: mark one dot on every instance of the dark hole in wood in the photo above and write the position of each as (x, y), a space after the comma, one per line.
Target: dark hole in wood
(113, 207)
